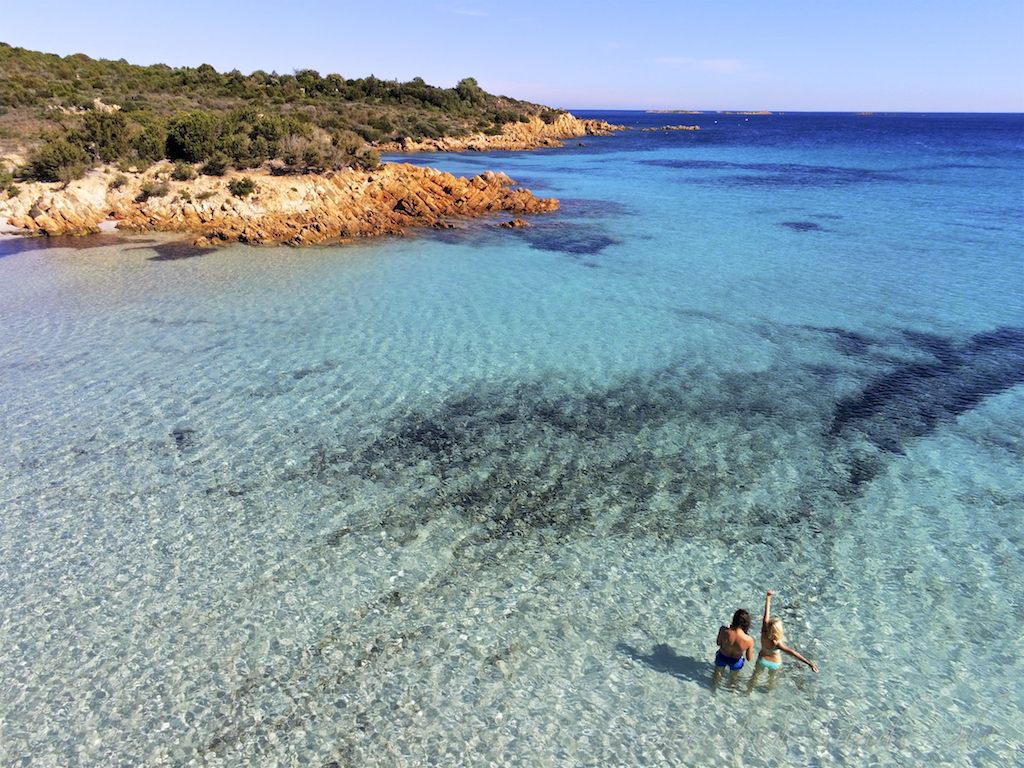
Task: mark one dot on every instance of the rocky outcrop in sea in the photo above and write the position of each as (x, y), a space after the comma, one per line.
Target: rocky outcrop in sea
(296, 210)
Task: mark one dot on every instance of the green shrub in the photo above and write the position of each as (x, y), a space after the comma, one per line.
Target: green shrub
(206, 195)
(318, 157)
(242, 187)
(7, 183)
(183, 171)
(107, 135)
(469, 91)
(118, 181)
(150, 144)
(231, 113)
(215, 166)
(153, 189)
(238, 148)
(367, 132)
(58, 160)
(193, 137)
(368, 159)
(382, 124)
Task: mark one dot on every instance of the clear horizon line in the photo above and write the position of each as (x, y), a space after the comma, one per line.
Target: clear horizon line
(798, 111)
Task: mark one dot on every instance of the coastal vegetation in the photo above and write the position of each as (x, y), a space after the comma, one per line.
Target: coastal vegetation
(64, 115)
(242, 187)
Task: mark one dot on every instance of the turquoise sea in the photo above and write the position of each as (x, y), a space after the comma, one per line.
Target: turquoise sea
(483, 496)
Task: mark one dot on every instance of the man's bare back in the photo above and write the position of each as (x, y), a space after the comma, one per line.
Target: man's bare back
(734, 646)
(735, 643)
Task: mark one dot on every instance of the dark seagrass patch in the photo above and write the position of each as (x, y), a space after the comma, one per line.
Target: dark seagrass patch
(803, 226)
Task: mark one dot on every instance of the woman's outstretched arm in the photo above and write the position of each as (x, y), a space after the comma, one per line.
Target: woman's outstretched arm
(796, 655)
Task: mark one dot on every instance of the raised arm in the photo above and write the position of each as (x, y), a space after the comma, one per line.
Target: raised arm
(767, 610)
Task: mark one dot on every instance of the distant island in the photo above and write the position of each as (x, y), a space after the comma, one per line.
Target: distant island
(84, 140)
(700, 112)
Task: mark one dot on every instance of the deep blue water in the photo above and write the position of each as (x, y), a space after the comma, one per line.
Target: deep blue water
(483, 496)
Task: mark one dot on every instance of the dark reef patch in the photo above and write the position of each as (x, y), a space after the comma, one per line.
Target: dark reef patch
(803, 226)
(913, 399)
(765, 456)
(325, 367)
(662, 454)
(566, 237)
(776, 174)
(850, 343)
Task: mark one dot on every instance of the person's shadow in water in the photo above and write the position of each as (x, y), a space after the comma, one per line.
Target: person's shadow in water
(663, 659)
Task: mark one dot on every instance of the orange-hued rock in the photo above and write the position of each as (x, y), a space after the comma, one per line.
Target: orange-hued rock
(298, 210)
(514, 136)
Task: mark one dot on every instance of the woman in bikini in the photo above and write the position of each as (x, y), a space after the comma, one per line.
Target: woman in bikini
(772, 648)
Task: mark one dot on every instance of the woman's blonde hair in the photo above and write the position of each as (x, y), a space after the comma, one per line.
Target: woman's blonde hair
(774, 629)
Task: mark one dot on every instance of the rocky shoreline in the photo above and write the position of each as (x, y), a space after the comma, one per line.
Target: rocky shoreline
(293, 210)
(514, 136)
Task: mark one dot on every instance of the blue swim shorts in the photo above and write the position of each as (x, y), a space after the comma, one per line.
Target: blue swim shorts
(728, 661)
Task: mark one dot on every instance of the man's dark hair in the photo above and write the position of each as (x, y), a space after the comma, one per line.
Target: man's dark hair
(741, 620)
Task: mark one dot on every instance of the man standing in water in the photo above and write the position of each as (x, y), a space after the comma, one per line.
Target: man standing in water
(734, 645)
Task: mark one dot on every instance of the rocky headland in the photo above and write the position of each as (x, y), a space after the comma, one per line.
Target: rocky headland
(291, 209)
(294, 210)
(514, 136)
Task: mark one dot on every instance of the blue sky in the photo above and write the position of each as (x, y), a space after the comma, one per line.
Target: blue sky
(783, 55)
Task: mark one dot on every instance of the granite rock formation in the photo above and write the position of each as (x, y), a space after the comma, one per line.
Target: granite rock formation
(514, 136)
(297, 210)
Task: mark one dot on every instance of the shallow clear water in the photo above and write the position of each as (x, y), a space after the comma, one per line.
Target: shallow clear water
(484, 496)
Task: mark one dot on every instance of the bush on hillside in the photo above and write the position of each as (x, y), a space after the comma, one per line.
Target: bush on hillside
(193, 137)
(242, 187)
(7, 183)
(216, 165)
(150, 144)
(58, 160)
(183, 171)
(107, 135)
(153, 189)
(197, 115)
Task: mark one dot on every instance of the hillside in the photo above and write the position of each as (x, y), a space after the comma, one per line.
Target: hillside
(60, 116)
